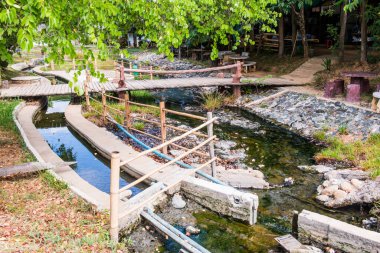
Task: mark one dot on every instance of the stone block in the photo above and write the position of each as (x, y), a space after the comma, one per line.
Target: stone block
(222, 199)
(313, 227)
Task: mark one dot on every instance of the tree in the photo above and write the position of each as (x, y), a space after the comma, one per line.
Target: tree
(363, 32)
(342, 32)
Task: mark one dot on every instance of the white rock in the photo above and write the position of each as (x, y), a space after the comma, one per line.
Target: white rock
(178, 202)
(347, 187)
(192, 230)
(257, 173)
(357, 183)
(320, 189)
(306, 249)
(330, 190)
(339, 194)
(323, 198)
(326, 183)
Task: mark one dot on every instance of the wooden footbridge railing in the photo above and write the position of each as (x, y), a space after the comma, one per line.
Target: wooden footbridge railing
(108, 113)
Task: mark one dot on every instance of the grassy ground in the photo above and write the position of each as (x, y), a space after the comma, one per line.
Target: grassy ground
(362, 154)
(39, 213)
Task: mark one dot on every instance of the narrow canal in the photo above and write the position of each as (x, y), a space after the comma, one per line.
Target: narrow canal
(69, 146)
(277, 151)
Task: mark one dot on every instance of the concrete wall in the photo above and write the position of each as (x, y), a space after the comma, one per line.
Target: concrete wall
(222, 199)
(313, 227)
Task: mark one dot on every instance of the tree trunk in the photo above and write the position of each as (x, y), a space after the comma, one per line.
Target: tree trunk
(363, 31)
(281, 36)
(134, 40)
(261, 35)
(342, 33)
(301, 23)
(294, 27)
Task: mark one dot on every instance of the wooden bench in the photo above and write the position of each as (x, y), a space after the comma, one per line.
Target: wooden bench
(248, 65)
(376, 102)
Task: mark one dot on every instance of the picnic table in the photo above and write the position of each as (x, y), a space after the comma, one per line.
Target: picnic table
(238, 58)
(199, 52)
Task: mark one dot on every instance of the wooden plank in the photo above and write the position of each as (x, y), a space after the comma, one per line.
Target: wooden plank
(288, 242)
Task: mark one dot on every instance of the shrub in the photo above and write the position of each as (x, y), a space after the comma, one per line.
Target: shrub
(139, 125)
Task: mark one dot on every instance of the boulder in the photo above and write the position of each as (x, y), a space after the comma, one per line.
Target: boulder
(243, 178)
(178, 202)
(257, 173)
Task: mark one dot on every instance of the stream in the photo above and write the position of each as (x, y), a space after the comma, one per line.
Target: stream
(275, 150)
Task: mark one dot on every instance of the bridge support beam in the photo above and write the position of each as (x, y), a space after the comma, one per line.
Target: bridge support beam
(236, 89)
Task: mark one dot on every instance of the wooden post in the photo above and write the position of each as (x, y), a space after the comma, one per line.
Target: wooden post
(114, 196)
(127, 122)
(210, 133)
(104, 103)
(236, 80)
(295, 224)
(163, 126)
(140, 72)
(151, 72)
(52, 65)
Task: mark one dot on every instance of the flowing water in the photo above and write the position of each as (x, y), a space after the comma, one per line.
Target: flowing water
(277, 151)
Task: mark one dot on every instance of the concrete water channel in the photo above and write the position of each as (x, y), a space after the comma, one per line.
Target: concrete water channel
(277, 151)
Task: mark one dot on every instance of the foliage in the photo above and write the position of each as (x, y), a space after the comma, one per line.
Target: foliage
(364, 154)
(332, 32)
(6, 114)
(326, 63)
(61, 25)
(342, 130)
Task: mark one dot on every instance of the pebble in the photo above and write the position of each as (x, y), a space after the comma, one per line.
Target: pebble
(339, 194)
(192, 230)
(323, 198)
(288, 181)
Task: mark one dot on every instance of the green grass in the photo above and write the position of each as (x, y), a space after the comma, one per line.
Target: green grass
(53, 182)
(142, 95)
(212, 101)
(364, 154)
(139, 125)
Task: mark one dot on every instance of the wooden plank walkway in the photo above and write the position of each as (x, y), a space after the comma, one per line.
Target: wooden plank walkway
(191, 82)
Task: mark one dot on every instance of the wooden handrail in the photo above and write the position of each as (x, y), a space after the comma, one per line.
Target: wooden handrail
(184, 131)
(170, 141)
(185, 114)
(144, 105)
(165, 72)
(166, 164)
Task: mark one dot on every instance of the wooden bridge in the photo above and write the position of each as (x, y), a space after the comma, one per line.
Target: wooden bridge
(37, 90)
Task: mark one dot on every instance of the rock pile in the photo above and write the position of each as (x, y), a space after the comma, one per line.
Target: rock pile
(347, 187)
(307, 114)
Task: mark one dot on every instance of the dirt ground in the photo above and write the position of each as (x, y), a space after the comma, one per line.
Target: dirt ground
(10, 150)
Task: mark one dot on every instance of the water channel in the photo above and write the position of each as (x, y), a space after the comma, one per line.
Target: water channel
(278, 150)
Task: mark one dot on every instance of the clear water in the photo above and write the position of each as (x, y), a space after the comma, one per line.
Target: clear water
(70, 147)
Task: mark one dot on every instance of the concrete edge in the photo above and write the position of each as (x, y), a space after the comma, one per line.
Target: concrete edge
(39, 158)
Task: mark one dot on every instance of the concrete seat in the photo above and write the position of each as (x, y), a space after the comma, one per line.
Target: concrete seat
(376, 102)
(249, 64)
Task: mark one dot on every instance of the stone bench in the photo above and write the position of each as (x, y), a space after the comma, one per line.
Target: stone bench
(376, 102)
(248, 65)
